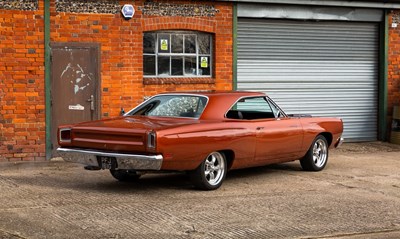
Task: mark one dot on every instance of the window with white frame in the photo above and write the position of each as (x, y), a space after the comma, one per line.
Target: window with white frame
(178, 53)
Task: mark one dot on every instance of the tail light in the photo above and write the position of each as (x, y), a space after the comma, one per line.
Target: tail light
(65, 135)
(151, 140)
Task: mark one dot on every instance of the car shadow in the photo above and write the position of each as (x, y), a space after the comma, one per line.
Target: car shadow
(264, 170)
(181, 181)
(84, 181)
(148, 182)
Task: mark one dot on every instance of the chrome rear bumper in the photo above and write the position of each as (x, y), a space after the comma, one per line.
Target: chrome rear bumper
(124, 161)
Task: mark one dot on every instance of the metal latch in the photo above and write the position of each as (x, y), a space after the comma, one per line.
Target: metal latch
(91, 100)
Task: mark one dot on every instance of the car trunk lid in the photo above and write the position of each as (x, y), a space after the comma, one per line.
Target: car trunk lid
(122, 134)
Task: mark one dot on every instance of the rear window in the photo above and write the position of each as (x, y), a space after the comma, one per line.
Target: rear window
(188, 106)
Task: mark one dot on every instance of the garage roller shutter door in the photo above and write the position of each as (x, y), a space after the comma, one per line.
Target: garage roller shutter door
(319, 68)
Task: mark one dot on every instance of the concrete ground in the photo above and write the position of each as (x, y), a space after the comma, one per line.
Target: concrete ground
(356, 196)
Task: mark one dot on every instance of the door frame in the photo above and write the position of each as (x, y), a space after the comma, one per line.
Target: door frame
(92, 46)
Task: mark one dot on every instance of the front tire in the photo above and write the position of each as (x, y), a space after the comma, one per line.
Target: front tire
(125, 175)
(211, 172)
(316, 157)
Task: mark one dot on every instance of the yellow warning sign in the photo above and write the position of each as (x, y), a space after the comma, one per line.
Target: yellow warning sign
(164, 44)
(204, 62)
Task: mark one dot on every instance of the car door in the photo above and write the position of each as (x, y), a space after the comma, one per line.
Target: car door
(278, 138)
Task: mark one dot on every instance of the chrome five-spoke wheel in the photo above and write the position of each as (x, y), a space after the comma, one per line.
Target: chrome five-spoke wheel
(320, 152)
(214, 168)
(211, 172)
(316, 157)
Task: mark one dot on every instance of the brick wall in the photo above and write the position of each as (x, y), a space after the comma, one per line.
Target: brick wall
(393, 65)
(122, 48)
(22, 100)
(22, 93)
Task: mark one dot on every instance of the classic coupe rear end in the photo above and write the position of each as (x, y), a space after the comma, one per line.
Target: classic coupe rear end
(123, 143)
(205, 134)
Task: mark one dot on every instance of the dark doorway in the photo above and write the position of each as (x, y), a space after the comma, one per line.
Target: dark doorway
(75, 85)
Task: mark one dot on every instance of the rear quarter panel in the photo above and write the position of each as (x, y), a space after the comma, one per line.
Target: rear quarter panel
(185, 148)
(332, 127)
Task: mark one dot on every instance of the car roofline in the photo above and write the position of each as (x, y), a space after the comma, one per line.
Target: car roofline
(208, 94)
(216, 93)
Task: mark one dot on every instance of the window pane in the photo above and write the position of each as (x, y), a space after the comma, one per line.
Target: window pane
(190, 66)
(254, 104)
(177, 65)
(149, 65)
(177, 43)
(149, 42)
(179, 53)
(204, 43)
(164, 43)
(277, 112)
(173, 106)
(190, 44)
(163, 65)
(204, 62)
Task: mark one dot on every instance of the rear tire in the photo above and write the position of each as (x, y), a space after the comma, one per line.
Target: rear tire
(316, 157)
(211, 172)
(125, 175)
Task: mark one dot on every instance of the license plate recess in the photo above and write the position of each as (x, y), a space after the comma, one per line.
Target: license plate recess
(107, 162)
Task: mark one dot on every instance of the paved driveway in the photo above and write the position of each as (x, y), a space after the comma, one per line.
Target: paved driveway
(356, 196)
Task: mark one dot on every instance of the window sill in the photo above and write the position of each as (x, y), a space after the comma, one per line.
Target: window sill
(177, 80)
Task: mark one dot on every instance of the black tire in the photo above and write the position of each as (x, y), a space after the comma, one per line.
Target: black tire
(125, 175)
(316, 157)
(211, 172)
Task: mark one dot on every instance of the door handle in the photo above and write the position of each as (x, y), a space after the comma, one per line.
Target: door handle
(91, 100)
(260, 128)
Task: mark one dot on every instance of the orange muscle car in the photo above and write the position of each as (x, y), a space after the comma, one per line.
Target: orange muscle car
(202, 133)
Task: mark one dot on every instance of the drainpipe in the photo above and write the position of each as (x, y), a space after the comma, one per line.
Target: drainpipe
(234, 36)
(47, 76)
(383, 86)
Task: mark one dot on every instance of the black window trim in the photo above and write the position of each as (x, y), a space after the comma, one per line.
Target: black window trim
(268, 100)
